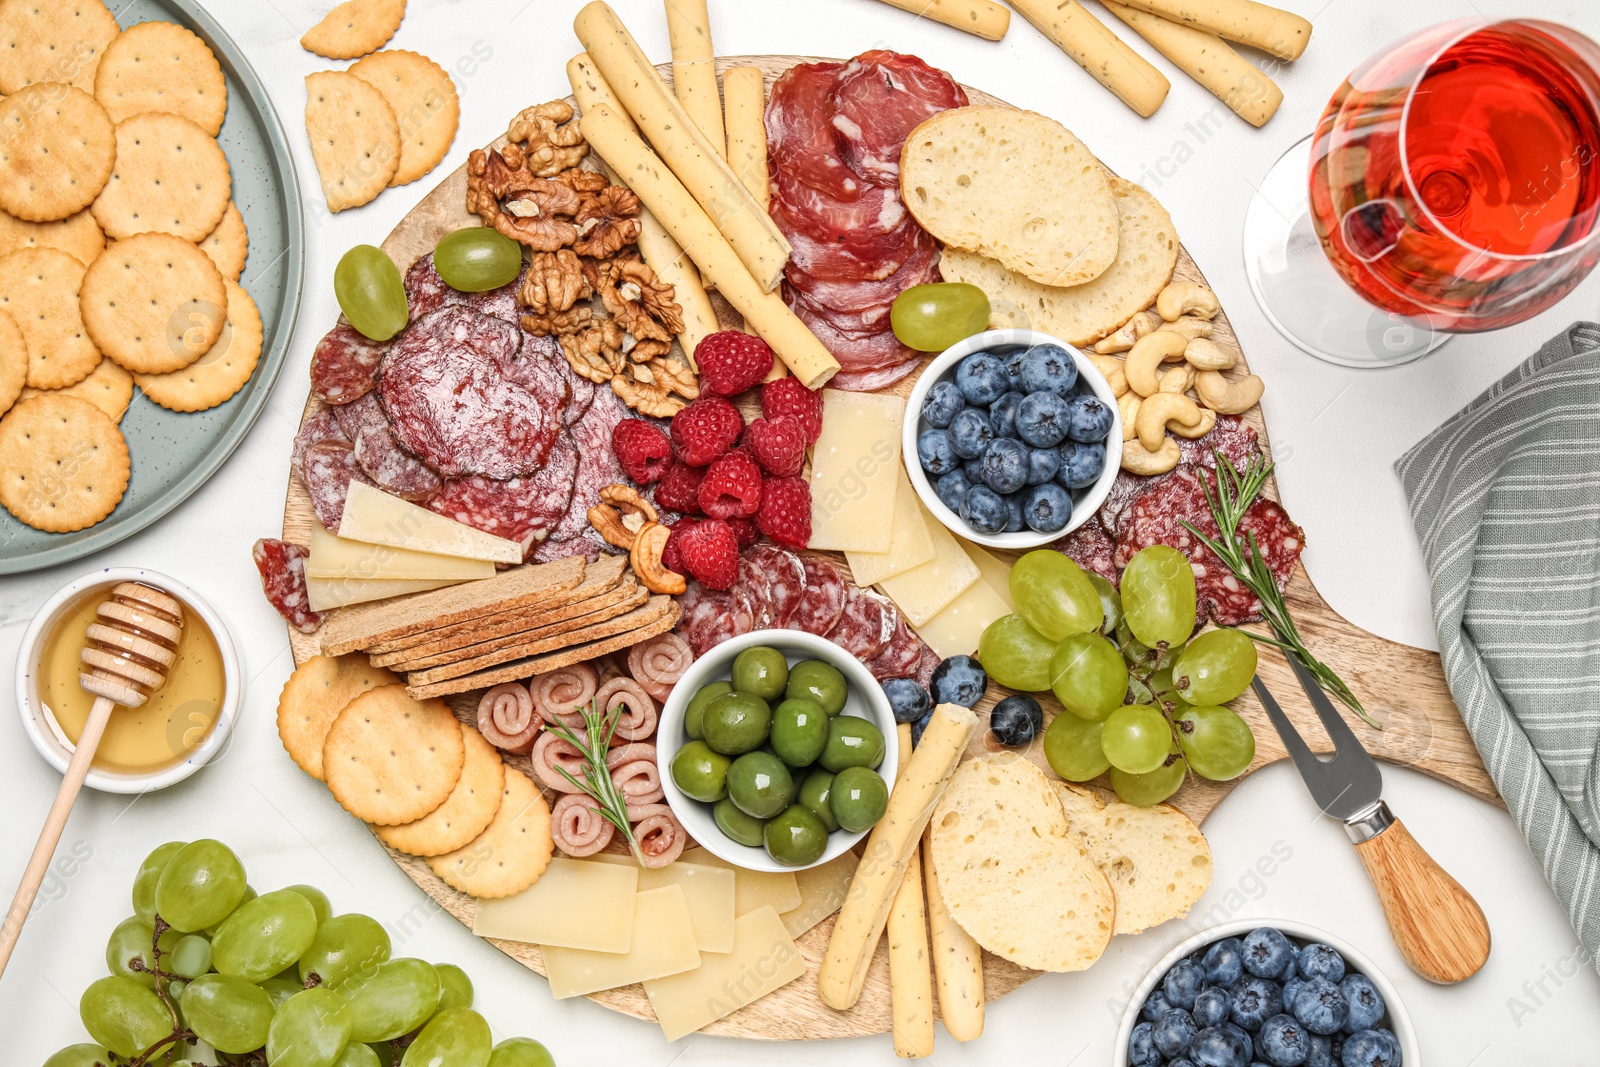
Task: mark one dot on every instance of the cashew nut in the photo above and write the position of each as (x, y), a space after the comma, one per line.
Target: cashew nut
(1160, 409)
(1208, 422)
(1122, 339)
(1128, 408)
(1189, 326)
(1228, 397)
(1203, 354)
(1187, 298)
(1177, 380)
(1116, 374)
(1148, 353)
(1137, 460)
(645, 556)
(621, 514)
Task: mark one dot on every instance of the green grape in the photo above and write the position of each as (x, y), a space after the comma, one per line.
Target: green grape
(1072, 748)
(191, 956)
(521, 1052)
(249, 895)
(455, 988)
(1216, 667)
(475, 259)
(1136, 738)
(318, 899)
(280, 989)
(264, 936)
(1015, 654)
(132, 938)
(175, 988)
(1158, 596)
(1217, 743)
(345, 945)
(358, 1055)
(370, 292)
(1140, 656)
(1054, 595)
(1088, 676)
(310, 1029)
(455, 1038)
(84, 1055)
(200, 886)
(1110, 603)
(144, 883)
(123, 1015)
(393, 999)
(1143, 790)
(227, 1013)
(932, 317)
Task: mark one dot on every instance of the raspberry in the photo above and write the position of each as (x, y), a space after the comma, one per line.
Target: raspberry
(672, 551)
(705, 430)
(732, 487)
(643, 450)
(785, 513)
(711, 553)
(786, 396)
(731, 362)
(778, 444)
(679, 488)
(744, 532)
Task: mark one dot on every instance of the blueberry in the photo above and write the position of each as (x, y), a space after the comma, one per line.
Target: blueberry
(1267, 952)
(1324, 1050)
(951, 487)
(1081, 465)
(1371, 1048)
(1043, 463)
(984, 510)
(1005, 465)
(1016, 720)
(1088, 419)
(935, 453)
(1016, 522)
(970, 433)
(1366, 1003)
(1141, 1047)
(1012, 359)
(1049, 368)
(1047, 508)
(981, 379)
(973, 469)
(1217, 1047)
(1320, 1006)
(959, 680)
(1003, 414)
(1291, 970)
(1181, 1061)
(919, 726)
(1042, 420)
(942, 403)
(1154, 1005)
(1224, 962)
(1249, 1042)
(1210, 1007)
(1173, 1031)
(1291, 989)
(907, 699)
(1253, 1000)
(1183, 983)
(1283, 1042)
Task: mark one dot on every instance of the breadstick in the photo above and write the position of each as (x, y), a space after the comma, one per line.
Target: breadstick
(977, 17)
(744, 95)
(660, 190)
(1207, 59)
(860, 923)
(1099, 51)
(957, 961)
(910, 981)
(1273, 30)
(656, 245)
(694, 66)
(694, 161)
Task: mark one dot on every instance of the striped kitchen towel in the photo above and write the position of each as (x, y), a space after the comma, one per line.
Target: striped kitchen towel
(1506, 500)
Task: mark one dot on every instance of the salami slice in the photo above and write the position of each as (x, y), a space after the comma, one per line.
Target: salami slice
(862, 225)
(389, 466)
(801, 139)
(344, 365)
(327, 471)
(869, 381)
(283, 579)
(785, 576)
(597, 468)
(427, 292)
(926, 665)
(822, 602)
(1281, 541)
(710, 617)
(752, 582)
(866, 624)
(518, 509)
(1090, 547)
(867, 322)
(880, 97)
(834, 256)
(322, 425)
(1124, 488)
(900, 657)
(1156, 516)
(872, 352)
(580, 393)
(854, 294)
(1229, 436)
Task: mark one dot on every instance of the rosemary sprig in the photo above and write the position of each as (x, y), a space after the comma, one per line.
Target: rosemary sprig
(597, 783)
(1236, 491)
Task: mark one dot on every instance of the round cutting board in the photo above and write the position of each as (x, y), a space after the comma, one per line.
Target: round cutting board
(1402, 687)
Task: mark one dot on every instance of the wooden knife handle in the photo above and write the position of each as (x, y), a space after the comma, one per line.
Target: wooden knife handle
(1438, 927)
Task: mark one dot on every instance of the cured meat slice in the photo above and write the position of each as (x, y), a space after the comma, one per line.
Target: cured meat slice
(823, 600)
(580, 393)
(597, 467)
(322, 425)
(785, 580)
(1156, 516)
(577, 827)
(869, 381)
(552, 755)
(873, 352)
(389, 466)
(462, 396)
(518, 509)
(1124, 487)
(880, 97)
(559, 695)
(344, 365)
(926, 665)
(868, 322)
(659, 834)
(752, 583)
(900, 657)
(1281, 542)
(860, 224)
(800, 136)
(637, 719)
(1090, 547)
(658, 664)
(282, 567)
(865, 626)
(1230, 436)
(921, 266)
(711, 616)
(327, 471)
(427, 292)
(835, 256)
(506, 718)
(634, 773)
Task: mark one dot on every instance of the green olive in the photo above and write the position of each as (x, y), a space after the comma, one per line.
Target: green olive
(814, 793)
(736, 723)
(796, 838)
(852, 742)
(370, 292)
(761, 670)
(799, 731)
(696, 710)
(813, 679)
(858, 798)
(701, 773)
(760, 784)
(476, 259)
(745, 829)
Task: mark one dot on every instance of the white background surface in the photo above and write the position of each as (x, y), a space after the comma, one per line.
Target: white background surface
(1335, 434)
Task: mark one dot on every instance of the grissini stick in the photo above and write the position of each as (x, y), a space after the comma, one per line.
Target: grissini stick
(694, 67)
(910, 973)
(977, 17)
(1107, 58)
(1273, 30)
(1209, 60)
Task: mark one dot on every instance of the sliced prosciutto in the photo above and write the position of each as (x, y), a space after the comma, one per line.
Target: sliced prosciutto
(879, 99)
(800, 135)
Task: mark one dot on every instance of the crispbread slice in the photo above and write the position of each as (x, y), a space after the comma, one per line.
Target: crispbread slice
(1156, 858)
(1015, 186)
(1147, 251)
(1011, 872)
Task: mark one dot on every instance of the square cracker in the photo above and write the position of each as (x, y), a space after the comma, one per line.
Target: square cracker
(41, 289)
(355, 28)
(466, 812)
(216, 376)
(108, 387)
(314, 696)
(355, 138)
(389, 759)
(53, 41)
(425, 105)
(511, 853)
(63, 463)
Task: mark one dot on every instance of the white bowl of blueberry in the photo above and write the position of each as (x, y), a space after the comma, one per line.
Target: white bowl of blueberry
(1012, 438)
(1285, 995)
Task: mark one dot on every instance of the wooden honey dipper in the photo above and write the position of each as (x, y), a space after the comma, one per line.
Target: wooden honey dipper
(131, 646)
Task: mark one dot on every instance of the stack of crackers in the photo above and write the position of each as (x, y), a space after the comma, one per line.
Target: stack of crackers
(523, 622)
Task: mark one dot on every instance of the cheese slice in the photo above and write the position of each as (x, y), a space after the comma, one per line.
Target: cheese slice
(855, 471)
(335, 557)
(373, 516)
(764, 958)
(910, 544)
(956, 629)
(574, 904)
(822, 891)
(922, 592)
(328, 593)
(709, 892)
(663, 944)
(991, 569)
(753, 889)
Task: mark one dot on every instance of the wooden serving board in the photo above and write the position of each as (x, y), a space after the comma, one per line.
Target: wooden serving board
(1402, 687)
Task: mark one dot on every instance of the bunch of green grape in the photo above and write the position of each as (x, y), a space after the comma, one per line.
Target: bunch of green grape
(274, 975)
(1144, 701)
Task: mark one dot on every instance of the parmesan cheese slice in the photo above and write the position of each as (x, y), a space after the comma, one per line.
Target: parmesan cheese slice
(375, 517)
(764, 958)
(924, 591)
(708, 891)
(910, 543)
(752, 889)
(663, 943)
(855, 471)
(336, 557)
(574, 904)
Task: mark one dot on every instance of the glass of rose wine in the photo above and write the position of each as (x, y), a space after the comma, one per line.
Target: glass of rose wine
(1454, 187)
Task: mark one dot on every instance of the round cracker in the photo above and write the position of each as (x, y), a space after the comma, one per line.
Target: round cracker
(57, 150)
(355, 28)
(467, 812)
(389, 759)
(63, 463)
(170, 177)
(108, 387)
(161, 66)
(314, 696)
(77, 235)
(425, 105)
(154, 303)
(511, 854)
(216, 376)
(41, 289)
(13, 362)
(53, 41)
(229, 244)
(355, 138)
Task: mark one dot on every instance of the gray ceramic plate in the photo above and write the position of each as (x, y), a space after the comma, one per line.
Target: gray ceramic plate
(174, 454)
